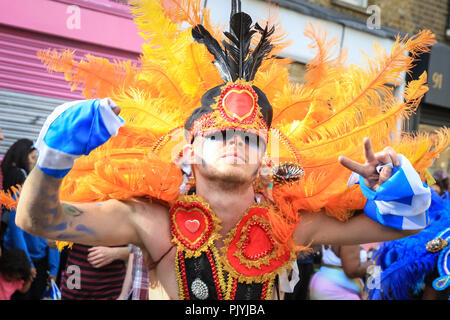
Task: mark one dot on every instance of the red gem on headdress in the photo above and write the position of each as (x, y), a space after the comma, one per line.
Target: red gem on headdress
(238, 102)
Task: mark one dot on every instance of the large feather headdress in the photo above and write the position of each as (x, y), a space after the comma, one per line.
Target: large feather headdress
(236, 104)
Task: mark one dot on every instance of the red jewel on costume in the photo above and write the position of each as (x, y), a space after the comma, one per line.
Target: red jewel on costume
(252, 251)
(238, 102)
(191, 224)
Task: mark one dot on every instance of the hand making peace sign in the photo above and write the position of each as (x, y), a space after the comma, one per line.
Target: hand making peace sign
(368, 170)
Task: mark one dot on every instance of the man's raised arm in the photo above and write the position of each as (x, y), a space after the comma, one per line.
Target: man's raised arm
(396, 207)
(72, 130)
(41, 213)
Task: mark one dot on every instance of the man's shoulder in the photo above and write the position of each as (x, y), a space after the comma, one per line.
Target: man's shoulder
(147, 207)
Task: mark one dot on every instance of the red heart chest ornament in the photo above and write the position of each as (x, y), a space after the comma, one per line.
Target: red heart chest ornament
(252, 251)
(258, 243)
(191, 224)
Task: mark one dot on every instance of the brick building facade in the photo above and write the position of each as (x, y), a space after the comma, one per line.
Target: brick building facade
(406, 15)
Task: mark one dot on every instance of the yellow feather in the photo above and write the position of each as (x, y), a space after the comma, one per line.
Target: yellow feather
(319, 67)
(10, 200)
(279, 38)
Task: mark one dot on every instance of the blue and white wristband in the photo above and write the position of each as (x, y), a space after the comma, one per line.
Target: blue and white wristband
(401, 202)
(74, 129)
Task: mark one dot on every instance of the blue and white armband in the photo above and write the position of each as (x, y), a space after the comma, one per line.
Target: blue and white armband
(74, 129)
(401, 202)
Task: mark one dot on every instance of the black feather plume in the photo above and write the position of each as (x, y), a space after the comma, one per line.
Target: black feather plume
(235, 7)
(238, 46)
(237, 60)
(201, 35)
(261, 51)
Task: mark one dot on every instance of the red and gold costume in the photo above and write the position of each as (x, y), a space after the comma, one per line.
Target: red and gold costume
(306, 128)
(249, 262)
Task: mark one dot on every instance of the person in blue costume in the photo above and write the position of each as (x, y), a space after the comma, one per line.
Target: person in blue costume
(17, 164)
(417, 267)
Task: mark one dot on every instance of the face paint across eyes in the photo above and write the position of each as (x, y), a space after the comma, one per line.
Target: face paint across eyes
(250, 139)
(209, 150)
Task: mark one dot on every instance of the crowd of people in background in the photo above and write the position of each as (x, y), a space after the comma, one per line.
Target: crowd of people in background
(28, 263)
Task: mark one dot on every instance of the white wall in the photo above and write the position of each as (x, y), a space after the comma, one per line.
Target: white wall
(293, 23)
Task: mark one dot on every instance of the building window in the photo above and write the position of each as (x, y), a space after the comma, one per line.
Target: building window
(297, 72)
(357, 5)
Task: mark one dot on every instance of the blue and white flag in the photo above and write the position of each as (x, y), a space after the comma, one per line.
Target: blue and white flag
(74, 129)
(401, 202)
(51, 292)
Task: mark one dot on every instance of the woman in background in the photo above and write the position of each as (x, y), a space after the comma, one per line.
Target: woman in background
(20, 158)
(18, 162)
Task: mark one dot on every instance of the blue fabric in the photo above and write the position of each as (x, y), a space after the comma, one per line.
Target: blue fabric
(396, 189)
(443, 281)
(406, 200)
(53, 260)
(35, 247)
(78, 130)
(55, 172)
(371, 210)
(72, 130)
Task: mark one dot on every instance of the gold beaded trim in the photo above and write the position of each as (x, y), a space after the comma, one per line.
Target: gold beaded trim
(249, 279)
(214, 234)
(221, 261)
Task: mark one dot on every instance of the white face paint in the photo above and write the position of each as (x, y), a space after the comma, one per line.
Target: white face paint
(227, 159)
(210, 150)
(232, 147)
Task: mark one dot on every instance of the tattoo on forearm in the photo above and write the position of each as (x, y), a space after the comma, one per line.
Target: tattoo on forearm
(71, 210)
(85, 229)
(48, 202)
(58, 227)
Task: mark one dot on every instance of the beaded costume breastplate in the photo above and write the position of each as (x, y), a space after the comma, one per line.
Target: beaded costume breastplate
(248, 264)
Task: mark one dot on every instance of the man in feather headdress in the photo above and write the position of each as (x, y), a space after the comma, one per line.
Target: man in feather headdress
(221, 240)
